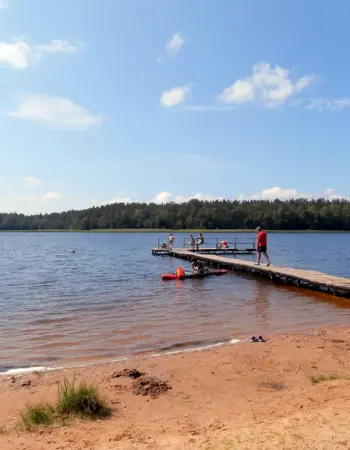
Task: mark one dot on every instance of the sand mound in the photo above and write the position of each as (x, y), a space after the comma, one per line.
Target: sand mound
(150, 386)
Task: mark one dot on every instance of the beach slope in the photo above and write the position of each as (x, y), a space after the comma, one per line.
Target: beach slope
(291, 392)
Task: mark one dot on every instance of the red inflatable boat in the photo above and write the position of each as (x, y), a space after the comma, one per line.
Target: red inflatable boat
(172, 276)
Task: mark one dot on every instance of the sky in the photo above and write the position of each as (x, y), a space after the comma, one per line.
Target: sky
(134, 100)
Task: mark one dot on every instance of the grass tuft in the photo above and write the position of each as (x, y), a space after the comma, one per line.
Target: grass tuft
(321, 377)
(37, 415)
(82, 400)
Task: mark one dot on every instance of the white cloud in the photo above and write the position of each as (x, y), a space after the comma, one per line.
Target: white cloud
(270, 85)
(323, 104)
(31, 182)
(162, 197)
(51, 196)
(4, 4)
(15, 55)
(277, 192)
(56, 111)
(241, 91)
(174, 96)
(175, 43)
(20, 55)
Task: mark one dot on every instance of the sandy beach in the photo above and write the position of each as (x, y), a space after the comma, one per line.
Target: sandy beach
(243, 396)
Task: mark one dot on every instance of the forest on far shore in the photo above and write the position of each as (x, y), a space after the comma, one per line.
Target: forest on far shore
(299, 214)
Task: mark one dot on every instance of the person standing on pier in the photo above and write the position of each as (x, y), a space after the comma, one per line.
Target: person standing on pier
(192, 242)
(171, 240)
(261, 245)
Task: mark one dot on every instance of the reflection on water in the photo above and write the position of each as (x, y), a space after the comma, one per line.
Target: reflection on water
(107, 300)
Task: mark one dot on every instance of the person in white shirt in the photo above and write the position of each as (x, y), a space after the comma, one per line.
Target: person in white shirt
(171, 240)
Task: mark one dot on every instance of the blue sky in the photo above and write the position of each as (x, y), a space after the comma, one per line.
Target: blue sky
(131, 100)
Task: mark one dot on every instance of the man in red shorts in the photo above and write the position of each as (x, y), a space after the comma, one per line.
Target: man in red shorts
(261, 245)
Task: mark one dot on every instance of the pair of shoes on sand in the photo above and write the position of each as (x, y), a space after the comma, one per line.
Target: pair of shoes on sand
(267, 265)
(258, 339)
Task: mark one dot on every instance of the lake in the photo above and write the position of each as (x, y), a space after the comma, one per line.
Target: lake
(107, 301)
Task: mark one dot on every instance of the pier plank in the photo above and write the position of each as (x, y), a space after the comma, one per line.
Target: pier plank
(208, 250)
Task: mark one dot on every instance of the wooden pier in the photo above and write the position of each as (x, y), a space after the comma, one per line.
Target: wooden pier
(308, 279)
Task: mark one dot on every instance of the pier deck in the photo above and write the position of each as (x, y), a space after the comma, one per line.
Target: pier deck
(309, 279)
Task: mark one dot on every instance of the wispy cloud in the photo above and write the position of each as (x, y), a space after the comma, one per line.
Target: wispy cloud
(175, 44)
(4, 4)
(323, 104)
(20, 55)
(272, 86)
(51, 196)
(31, 182)
(59, 46)
(175, 96)
(57, 111)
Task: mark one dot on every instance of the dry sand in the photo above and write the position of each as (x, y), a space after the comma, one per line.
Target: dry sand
(246, 396)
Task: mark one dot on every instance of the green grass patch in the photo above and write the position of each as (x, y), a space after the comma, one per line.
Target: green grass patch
(81, 400)
(37, 415)
(322, 377)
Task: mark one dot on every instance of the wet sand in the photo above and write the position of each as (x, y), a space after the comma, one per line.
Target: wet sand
(245, 396)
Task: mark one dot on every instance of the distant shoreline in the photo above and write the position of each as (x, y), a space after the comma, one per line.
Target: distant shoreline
(183, 231)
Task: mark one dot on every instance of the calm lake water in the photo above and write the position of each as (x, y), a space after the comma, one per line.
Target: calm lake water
(107, 301)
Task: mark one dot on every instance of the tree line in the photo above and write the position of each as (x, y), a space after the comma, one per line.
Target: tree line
(299, 214)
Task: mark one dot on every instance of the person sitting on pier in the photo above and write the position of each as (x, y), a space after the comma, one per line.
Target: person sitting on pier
(223, 244)
(261, 245)
(200, 240)
(198, 266)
